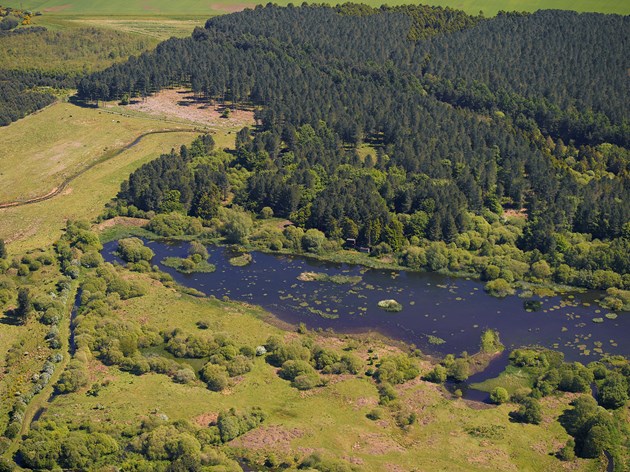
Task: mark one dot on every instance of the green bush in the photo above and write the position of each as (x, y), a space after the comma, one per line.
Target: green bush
(134, 250)
(396, 370)
(499, 395)
(215, 376)
(528, 412)
(437, 375)
(175, 224)
(499, 288)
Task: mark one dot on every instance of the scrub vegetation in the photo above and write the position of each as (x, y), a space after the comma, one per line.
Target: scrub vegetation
(320, 140)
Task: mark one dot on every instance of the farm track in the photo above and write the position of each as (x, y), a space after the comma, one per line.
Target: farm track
(104, 158)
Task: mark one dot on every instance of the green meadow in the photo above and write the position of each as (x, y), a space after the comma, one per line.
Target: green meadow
(449, 434)
(197, 7)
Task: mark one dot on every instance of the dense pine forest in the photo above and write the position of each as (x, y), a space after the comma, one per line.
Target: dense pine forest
(399, 125)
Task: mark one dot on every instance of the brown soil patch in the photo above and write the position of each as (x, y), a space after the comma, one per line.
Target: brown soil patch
(57, 9)
(275, 438)
(182, 104)
(365, 401)
(122, 221)
(376, 444)
(522, 213)
(205, 419)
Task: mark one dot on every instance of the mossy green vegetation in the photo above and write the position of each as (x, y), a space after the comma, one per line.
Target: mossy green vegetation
(390, 305)
(335, 279)
(242, 260)
(188, 265)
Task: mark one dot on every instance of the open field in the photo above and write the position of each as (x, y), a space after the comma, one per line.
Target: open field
(43, 149)
(214, 7)
(40, 224)
(65, 139)
(330, 419)
(74, 50)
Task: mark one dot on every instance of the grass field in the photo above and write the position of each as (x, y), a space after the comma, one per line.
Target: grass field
(331, 419)
(73, 50)
(152, 28)
(147, 8)
(64, 139)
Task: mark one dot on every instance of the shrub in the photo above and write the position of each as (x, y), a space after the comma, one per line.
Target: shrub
(175, 224)
(459, 370)
(375, 414)
(266, 213)
(567, 452)
(73, 378)
(238, 225)
(238, 366)
(294, 368)
(396, 370)
(499, 288)
(313, 241)
(306, 381)
(528, 412)
(215, 376)
(196, 248)
(437, 375)
(499, 395)
(134, 250)
(91, 259)
(613, 393)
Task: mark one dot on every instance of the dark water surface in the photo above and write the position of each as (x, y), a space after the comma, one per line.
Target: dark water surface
(453, 309)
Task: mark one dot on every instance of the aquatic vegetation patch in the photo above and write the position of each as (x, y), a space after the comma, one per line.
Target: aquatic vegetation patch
(241, 261)
(390, 305)
(435, 340)
(335, 279)
(188, 265)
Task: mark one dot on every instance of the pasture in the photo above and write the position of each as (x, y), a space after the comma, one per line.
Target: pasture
(90, 146)
(118, 8)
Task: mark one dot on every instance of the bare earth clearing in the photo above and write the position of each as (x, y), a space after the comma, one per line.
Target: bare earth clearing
(183, 105)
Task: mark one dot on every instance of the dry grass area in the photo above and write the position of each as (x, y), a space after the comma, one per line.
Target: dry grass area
(41, 150)
(182, 104)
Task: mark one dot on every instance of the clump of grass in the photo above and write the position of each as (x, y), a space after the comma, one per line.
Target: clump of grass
(611, 316)
(390, 305)
(241, 261)
(598, 320)
(188, 265)
(335, 279)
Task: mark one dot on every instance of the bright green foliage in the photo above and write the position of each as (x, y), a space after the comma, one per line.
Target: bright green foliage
(238, 225)
(437, 375)
(528, 412)
(215, 376)
(175, 224)
(396, 370)
(73, 378)
(499, 395)
(232, 424)
(613, 392)
(490, 341)
(134, 250)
